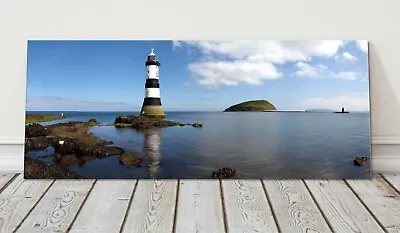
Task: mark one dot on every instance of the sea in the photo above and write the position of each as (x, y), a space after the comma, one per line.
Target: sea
(259, 145)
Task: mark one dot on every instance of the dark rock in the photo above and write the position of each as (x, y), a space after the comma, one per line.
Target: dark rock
(141, 122)
(359, 161)
(197, 125)
(36, 169)
(102, 142)
(67, 160)
(92, 121)
(131, 159)
(224, 173)
(70, 146)
(124, 119)
(36, 130)
(65, 146)
(38, 143)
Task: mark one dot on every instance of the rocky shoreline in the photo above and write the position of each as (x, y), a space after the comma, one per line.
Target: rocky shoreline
(74, 144)
(140, 122)
(36, 169)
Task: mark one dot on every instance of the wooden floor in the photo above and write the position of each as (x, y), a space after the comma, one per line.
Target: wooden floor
(202, 206)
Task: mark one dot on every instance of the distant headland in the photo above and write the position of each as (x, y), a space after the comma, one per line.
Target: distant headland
(319, 110)
(252, 106)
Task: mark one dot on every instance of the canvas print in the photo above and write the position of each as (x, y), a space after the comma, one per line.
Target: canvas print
(239, 109)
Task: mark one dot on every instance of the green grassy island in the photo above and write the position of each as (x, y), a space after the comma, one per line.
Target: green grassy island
(35, 118)
(252, 106)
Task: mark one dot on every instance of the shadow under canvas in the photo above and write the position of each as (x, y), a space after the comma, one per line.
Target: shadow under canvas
(257, 109)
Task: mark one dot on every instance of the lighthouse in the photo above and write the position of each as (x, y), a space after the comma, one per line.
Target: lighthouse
(152, 102)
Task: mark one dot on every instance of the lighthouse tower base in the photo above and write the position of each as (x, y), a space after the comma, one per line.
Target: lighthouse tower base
(152, 111)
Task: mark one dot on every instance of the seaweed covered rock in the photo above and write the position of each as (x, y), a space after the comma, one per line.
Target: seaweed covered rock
(224, 173)
(130, 159)
(197, 125)
(70, 146)
(68, 159)
(38, 143)
(359, 161)
(128, 119)
(141, 122)
(36, 130)
(93, 122)
(36, 169)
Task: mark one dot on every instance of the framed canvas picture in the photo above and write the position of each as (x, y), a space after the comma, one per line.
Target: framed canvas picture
(248, 109)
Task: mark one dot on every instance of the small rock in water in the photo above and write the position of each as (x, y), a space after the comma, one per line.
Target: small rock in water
(224, 173)
(130, 159)
(197, 125)
(359, 161)
(92, 120)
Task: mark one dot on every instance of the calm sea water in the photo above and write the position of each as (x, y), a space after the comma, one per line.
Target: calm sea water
(258, 145)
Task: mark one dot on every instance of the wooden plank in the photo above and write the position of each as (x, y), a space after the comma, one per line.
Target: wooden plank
(17, 200)
(394, 180)
(246, 207)
(4, 179)
(341, 207)
(153, 207)
(105, 208)
(294, 207)
(199, 208)
(382, 200)
(58, 207)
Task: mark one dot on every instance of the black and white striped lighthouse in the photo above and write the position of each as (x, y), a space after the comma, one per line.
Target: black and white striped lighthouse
(152, 101)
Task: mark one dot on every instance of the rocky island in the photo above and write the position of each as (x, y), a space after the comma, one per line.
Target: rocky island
(252, 106)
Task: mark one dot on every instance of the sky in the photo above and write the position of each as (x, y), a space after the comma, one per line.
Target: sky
(198, 75)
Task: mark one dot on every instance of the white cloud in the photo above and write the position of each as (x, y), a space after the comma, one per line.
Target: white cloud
(363, 45)
(251, 61)
(307, 70)
(176, 44)
(345, 56)
(56, 103)
(321, 71)
(227, 73)
(351, 102)
(277, 52)
(346, 75)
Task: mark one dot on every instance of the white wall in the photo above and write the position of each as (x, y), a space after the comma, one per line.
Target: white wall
(373, 20)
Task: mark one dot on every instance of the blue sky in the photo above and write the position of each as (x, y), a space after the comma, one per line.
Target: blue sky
(198, 75)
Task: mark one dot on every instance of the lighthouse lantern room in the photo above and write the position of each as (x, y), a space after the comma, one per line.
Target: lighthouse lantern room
(152, 100)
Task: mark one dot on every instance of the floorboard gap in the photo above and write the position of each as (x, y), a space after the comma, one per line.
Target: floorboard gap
(225, 219)
(34, 206)
(129, 206)
(319, 208)
(176, 207)
(270, 206)
(83, 203)
(365, 206)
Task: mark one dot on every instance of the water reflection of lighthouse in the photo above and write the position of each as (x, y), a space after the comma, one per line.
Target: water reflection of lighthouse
(151, 147)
